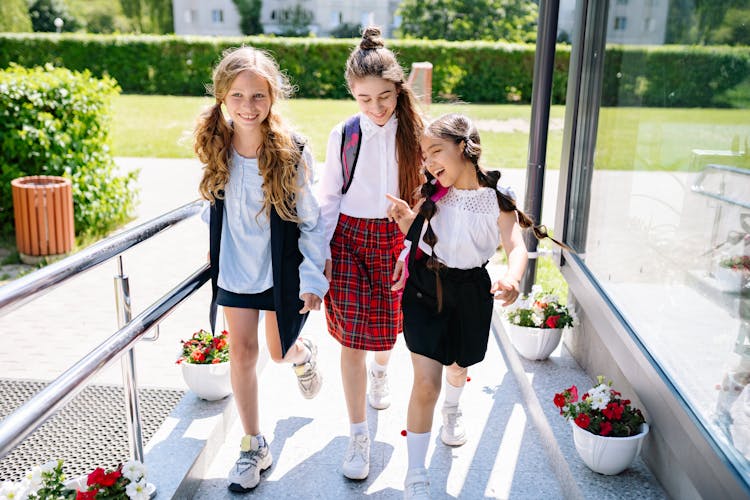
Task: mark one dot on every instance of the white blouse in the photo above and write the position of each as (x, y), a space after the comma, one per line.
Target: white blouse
(375, 175)
(466, 226)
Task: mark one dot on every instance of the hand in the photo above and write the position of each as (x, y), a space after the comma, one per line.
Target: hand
(328, 270)
(311, 301)
(505, 289)
(399, 276)
(400, 212)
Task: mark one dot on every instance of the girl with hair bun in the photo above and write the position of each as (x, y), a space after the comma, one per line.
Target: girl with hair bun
(447, 300)
(372, 154)
(265, 237)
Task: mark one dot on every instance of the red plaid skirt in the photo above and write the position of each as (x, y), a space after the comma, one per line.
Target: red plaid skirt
(362, 311)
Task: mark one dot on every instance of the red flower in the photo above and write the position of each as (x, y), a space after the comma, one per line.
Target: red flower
(573, 391)
(559, 401)
(198, 356)
(225, 333)
(219, 343)
(605, 429)
(215, 361)
(613, 411)
(86, 495)
(110, 479)
(95, 477)
(585, 396)
(582, 421)
(552, 321)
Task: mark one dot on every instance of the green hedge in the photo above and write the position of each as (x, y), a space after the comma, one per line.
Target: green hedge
(468, 71)
(56, 122)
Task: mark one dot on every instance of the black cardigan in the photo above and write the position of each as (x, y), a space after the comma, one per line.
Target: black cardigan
(285, 260)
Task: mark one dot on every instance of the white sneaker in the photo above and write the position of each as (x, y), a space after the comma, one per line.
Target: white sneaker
(453, 432)
(245, 475)
(417, 485)
(357, 459)
(379, 396)
(309, 379)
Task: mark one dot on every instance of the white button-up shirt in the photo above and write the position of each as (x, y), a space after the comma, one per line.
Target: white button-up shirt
(375, 175)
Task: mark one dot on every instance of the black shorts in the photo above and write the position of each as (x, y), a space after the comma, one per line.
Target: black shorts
(262, 301)
(459, 332)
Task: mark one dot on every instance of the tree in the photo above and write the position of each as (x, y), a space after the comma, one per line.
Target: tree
(346, 30)
(16, 16)
(510, 20)
(249, 11)
(44, 12)
(149, 16)
(295, 21)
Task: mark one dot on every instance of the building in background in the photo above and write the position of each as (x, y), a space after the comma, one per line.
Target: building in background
(631, 22)
(221, 18)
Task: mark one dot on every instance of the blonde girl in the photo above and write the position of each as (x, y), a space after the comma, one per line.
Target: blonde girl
(363, 311)
(265, 239)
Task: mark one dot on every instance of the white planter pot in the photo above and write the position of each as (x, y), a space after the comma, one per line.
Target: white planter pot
(607, 455)
(210, 382)
(534, 343)
(730, 280)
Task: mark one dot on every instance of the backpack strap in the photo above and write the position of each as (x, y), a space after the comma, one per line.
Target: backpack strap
(351, 140)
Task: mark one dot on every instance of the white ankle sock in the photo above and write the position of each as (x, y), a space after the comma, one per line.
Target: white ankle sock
(359, 428)
(416, 445)
(377, 368)
(452, 394)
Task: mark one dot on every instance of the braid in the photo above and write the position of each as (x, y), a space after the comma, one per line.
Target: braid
(428, 209)
(508, 204)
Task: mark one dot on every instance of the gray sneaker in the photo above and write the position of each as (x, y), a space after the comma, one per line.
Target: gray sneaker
(309, 378)
(254, 459)
(417, 485)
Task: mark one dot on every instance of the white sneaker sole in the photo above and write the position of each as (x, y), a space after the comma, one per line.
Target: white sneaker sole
(357, 477)
(452, 440)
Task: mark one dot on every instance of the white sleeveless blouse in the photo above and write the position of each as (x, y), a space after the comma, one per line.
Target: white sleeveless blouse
(466, 227)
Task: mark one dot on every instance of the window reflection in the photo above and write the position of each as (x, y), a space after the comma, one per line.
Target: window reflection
(669, 221)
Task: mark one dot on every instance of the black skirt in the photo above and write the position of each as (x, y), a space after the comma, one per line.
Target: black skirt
(262, 301)
(458, 333)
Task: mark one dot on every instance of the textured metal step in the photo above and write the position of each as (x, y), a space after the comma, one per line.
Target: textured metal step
(89, 432)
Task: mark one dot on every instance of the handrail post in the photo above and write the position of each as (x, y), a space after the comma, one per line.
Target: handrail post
(129, 382)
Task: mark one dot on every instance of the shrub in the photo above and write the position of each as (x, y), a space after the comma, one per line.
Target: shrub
(56, 122)
(492, 72)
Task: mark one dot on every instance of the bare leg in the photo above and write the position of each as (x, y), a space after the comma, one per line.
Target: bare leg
(383, 357)
(354, 378)
(424, 393)
(297, 353)
(456, 375)
(243, 356)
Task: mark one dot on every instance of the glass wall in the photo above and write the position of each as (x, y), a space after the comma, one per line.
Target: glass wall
(668, 229)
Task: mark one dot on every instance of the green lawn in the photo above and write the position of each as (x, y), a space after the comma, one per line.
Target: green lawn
(628, 138)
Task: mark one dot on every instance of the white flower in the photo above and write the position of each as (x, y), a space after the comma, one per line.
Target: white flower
(536, 290)
(13, 491)
(550, 299)
(537, 319)
(50, 466)
(137, 490)
(133, 471)
(599, 397)
(34, 479)
(516, 319)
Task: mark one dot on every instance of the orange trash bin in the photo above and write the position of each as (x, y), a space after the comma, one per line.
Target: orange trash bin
(43, 210)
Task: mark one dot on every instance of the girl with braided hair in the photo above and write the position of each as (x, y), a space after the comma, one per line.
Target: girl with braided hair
(448, 296)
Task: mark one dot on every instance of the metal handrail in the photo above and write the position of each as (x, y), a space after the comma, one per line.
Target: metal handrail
(22, 290)
(697, 186)
(26, 419)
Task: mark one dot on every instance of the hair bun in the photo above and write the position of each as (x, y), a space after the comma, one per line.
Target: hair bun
(371, 39)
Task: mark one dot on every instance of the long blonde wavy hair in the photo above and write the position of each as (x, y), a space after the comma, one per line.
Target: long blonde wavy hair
(278, 155)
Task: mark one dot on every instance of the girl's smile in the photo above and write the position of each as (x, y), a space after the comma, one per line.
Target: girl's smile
(248, 101)
(376, 98)
(444, 159)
